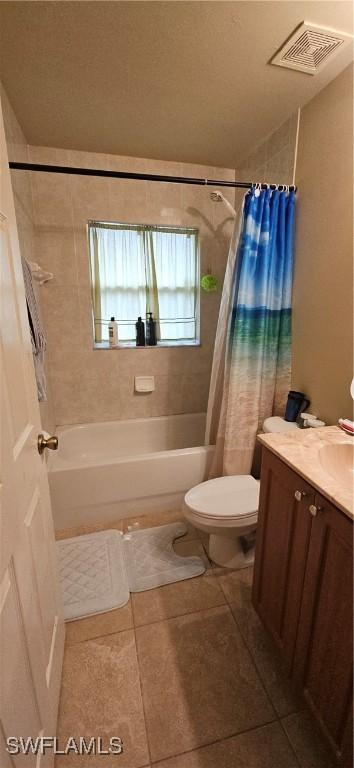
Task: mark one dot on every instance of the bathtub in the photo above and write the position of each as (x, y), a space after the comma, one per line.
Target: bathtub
(112, 470)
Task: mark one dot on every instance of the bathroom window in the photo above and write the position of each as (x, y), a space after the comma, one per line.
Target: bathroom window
(138, 268)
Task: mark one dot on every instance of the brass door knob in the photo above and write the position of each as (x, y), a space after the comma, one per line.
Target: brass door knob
(47, 442)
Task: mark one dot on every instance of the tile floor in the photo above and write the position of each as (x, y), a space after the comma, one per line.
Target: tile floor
(186, 676)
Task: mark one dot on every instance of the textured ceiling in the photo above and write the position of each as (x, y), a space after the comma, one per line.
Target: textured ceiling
(185, 81)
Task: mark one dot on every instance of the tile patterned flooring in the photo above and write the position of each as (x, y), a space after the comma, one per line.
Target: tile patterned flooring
(187, 677)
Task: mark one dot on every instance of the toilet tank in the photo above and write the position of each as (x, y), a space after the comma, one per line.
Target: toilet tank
(277, 424)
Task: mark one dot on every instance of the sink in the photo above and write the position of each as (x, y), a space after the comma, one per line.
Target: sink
(338, 461)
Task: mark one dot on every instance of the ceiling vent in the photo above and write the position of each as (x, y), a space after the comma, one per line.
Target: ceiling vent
(310, 47)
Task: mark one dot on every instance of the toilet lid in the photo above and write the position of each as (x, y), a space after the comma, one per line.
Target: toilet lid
(225, 497)
(277, 424)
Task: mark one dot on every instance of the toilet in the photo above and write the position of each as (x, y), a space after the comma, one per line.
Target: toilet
(226, 508)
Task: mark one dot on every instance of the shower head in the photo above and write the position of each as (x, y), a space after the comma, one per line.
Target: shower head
(217, 197)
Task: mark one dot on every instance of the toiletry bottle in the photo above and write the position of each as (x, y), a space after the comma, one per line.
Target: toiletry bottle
(113, 332)
(151, 331)
(140, 333)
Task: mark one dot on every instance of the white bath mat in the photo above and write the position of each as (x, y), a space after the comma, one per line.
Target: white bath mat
(92, 574)
(151, 560)
(99, 570)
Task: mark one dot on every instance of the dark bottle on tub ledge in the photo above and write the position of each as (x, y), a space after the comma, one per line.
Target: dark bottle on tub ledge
(140, 332)
(151, 338)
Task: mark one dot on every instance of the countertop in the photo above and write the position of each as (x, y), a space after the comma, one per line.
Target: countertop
(299, 449)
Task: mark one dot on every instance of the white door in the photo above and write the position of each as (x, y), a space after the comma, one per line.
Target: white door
(31, 622)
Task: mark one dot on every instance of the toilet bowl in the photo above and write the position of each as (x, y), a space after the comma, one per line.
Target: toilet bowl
(226, 508)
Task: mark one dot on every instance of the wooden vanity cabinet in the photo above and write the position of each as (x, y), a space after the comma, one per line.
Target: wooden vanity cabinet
(303, 592)
(283, 537)
(324, 647)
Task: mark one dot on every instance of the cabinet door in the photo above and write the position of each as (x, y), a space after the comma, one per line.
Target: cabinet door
(323, 659)
(283, 534)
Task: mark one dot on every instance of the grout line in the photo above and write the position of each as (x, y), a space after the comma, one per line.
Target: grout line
(254, 658)
(211, 743)
(142, 697)
(229, 603)
(279, 717)
(253, 664)
(215, 741)
(99, 637)
(133, 612)
(179, 615)
(288, 740)
(156, 621)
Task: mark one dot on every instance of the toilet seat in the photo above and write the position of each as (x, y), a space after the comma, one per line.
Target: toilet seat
(231, 499)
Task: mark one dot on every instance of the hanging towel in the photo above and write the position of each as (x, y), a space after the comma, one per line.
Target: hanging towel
(38, 339)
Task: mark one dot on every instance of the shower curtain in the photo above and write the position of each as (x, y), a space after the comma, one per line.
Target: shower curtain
(251, 366)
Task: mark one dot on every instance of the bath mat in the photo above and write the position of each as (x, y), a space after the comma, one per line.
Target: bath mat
(151, 560)
(99, 570)
(92, 574)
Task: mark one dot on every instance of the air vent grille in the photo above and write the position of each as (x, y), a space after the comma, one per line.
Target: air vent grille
(309, 48)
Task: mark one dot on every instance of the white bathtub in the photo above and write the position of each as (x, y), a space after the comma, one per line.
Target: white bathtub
(114, 469)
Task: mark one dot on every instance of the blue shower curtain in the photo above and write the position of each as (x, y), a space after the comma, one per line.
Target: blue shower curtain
(255, 369)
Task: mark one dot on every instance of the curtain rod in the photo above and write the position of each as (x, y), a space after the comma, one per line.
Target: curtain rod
(141, 176)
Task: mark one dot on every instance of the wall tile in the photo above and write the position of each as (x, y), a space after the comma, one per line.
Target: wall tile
(90, 384)
(93, 385)
(273, 160)
(18, 150)
(127, 201)
(55, 251)
(90, 199)
(51, 200)
(49, 156)
(164, 203)
(78, 159)
(60, 311)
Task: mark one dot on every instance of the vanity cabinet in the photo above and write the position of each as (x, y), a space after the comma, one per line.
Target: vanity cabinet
(283, 535)
(302, 590)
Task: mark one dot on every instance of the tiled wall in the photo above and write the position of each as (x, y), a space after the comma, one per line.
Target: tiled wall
(18, 150)
(98, 385)
(273, 160)
(52, 212)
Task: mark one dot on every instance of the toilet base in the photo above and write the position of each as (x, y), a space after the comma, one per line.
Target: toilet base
(228, 552)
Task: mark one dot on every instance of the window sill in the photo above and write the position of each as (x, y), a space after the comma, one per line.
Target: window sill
(159, 345)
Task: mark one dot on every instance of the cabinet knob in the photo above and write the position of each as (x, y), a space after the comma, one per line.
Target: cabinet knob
(313, 509)
(299, 495)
